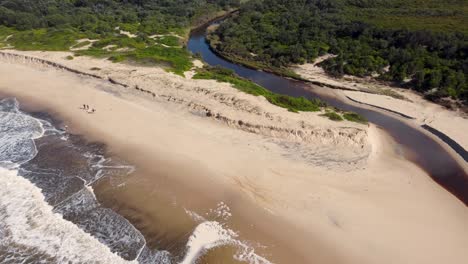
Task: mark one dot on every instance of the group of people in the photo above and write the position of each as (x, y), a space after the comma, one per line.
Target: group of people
(86, 107)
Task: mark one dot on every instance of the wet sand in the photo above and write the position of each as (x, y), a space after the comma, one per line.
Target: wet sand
(382, 210)
(157, 205)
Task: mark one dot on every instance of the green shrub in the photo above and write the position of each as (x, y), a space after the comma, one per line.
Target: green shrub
(171, 41)
(354, 117)
(178, 60)
(81, 44)
(44, 39)
(333, 116)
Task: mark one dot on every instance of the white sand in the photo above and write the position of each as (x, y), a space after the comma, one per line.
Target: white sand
(126, 33)
(342, 183)
(85, 47)
(312, 72)
(452, 123)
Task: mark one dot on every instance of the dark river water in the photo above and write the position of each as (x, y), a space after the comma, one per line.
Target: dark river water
(416, 146)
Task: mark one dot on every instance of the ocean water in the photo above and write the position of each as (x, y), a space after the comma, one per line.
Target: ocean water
(49, 213)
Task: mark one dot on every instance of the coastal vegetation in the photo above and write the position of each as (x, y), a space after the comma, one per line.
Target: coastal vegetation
(418, 44)
(293, 104)
(150, 32)
(332, 115)
(354, 117)
(147, 31)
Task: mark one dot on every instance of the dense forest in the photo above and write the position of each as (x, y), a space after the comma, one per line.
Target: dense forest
(103, 15)
(147, 31)
(420, 44)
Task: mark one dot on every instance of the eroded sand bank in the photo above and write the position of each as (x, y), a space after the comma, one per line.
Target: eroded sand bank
(341, 185)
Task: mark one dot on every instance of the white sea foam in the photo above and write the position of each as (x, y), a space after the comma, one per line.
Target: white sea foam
(206, 235)
(221, 212)
(247, 254)
(30, 222)
(195, 217)
(16, 138)
(211, 234)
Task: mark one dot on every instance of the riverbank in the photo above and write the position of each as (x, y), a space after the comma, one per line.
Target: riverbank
(252, 64)
(339, 188)
(399, 102)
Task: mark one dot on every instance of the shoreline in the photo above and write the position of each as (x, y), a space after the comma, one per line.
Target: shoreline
(424, 112)
(460, 150)
(446, 130)
(335, 207)
(414, 122)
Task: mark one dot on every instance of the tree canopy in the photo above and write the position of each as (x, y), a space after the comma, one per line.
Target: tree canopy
(102, 15)
(145, 31)
(428, 52)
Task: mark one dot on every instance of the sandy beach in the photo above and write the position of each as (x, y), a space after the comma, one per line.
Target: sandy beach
(328, 192)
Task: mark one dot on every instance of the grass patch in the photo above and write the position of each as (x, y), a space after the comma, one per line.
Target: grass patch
(70, 57)
(332, 115)
(42, 39)
(354, 117)
(5, 32)
(120, 41)
(171, 41)
(139, 49)
(293, 104)
(82, 44)
(129, 27)
(391, 93)
(177, 59)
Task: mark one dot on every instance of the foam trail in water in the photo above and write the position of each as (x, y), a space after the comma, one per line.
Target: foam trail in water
(206, 235)
(211, 234)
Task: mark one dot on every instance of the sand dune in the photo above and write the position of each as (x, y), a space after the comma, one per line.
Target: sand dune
(341, 184)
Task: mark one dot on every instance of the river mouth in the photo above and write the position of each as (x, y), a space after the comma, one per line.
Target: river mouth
(416, 146)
